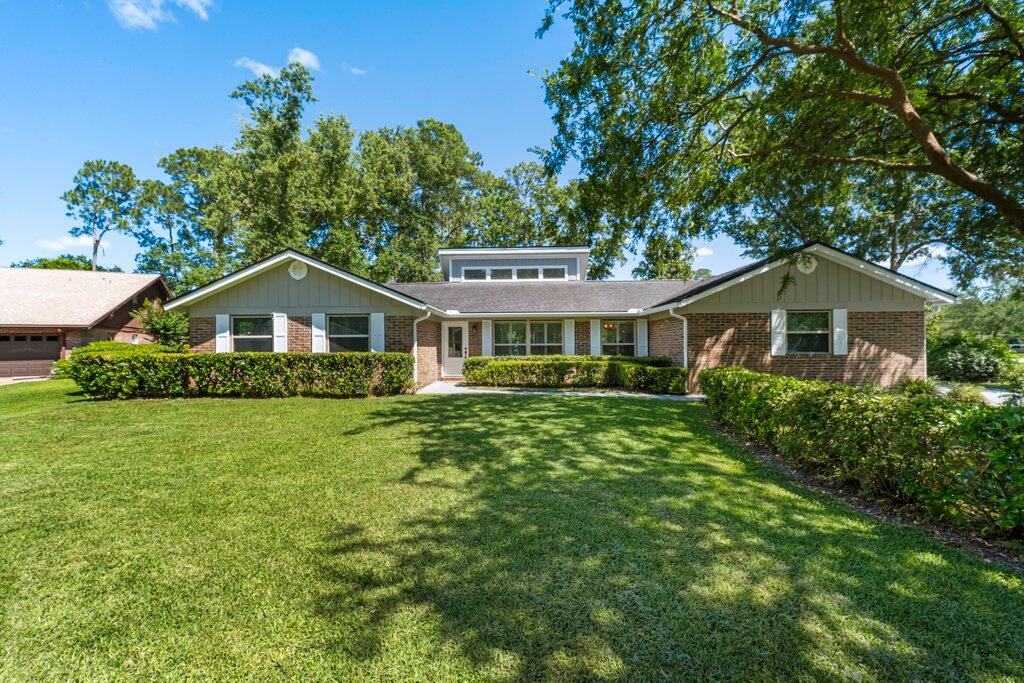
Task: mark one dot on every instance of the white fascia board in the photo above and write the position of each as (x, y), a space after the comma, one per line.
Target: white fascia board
(257, 268)
(895, 279)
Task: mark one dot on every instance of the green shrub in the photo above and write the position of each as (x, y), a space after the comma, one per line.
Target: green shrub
(574, 372)
(120, 348)
(474, 362)
(964, 393)
(245, 375)
(968, 358)
(958, 461)
(166, 327)
(917, 387)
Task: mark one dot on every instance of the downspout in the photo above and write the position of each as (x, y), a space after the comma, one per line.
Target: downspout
(416, 349)
(686, 338)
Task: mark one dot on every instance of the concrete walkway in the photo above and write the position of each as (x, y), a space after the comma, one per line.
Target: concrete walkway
(463, 388)
(19, 380)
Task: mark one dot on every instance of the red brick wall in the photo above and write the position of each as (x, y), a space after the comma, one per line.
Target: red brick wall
(300, 334)
(884, 347)
(202, 335)
(428, 352)
(476, 338)
(582, 339)
(398, 333)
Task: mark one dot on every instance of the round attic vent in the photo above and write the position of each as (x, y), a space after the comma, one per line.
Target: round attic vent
(297, 270)
(807, 265)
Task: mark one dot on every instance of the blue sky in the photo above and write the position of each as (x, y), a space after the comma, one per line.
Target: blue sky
(131, 80)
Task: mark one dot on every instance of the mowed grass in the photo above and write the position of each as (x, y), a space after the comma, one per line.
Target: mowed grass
(455, 538)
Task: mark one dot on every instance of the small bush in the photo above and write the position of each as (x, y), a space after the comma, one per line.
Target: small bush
(917, 387)
(109, 375)
(957, 461)
(964, 393)
(574, 372)
(968, 358)
(166, 327)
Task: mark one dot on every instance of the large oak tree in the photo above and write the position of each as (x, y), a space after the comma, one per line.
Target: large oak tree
(691, 112)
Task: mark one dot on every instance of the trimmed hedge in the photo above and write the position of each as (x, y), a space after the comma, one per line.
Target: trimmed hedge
(110, 375)
(474, 362)
(960, 462)
(574, 372)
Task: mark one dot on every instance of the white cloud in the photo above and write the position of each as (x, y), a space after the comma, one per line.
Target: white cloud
(258, 68)
(305, 58)
(354, 70)
(703, 251)
(65, 242)
(146, 14)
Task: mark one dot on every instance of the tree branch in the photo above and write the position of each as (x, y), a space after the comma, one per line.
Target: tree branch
(940, 162)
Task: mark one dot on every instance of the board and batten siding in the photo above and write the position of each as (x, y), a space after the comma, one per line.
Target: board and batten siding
(831, 285)
(275, 291)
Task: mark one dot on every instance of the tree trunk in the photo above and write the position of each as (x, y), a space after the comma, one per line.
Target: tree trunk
(95, 247)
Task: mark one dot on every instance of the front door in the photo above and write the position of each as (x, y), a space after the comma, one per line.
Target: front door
(455, 338)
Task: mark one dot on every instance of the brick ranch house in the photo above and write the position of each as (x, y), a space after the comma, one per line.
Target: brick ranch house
(46, 313)
(840, 318)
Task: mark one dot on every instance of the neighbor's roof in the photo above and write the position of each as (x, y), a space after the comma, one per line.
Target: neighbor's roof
(573, 296)
(36, 297)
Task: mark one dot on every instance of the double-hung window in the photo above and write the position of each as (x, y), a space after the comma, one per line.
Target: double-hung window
(348, 333)
(807, 331)
(618, 338)
(252, 333)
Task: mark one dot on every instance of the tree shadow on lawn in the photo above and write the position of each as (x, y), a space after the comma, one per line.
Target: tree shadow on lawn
(614, 538)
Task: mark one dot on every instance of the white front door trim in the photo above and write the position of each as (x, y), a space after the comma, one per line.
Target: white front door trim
(451, 365)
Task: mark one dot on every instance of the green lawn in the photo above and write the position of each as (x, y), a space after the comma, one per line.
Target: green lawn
(455, 537)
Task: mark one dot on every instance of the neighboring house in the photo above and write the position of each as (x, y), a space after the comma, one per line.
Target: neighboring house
(46, 313)
(840, 317)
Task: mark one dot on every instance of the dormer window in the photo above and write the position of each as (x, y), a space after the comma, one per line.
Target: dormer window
(518, 264)
(525, 273)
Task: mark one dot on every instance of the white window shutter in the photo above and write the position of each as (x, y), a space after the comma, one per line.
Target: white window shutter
(223, 339)
(487, 338)
(778, 332)
(377, 332)
(595, 337)
(280, 332)
(319, 330)
(641, 337)
(569, 337)
(839, 342)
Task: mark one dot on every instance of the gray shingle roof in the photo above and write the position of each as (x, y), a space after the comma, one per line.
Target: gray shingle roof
(545, 297)
(64, 298)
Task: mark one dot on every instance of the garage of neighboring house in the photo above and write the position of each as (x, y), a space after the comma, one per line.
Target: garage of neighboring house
(46, 313)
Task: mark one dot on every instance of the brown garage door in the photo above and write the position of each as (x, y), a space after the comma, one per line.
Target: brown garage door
(26, 355)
